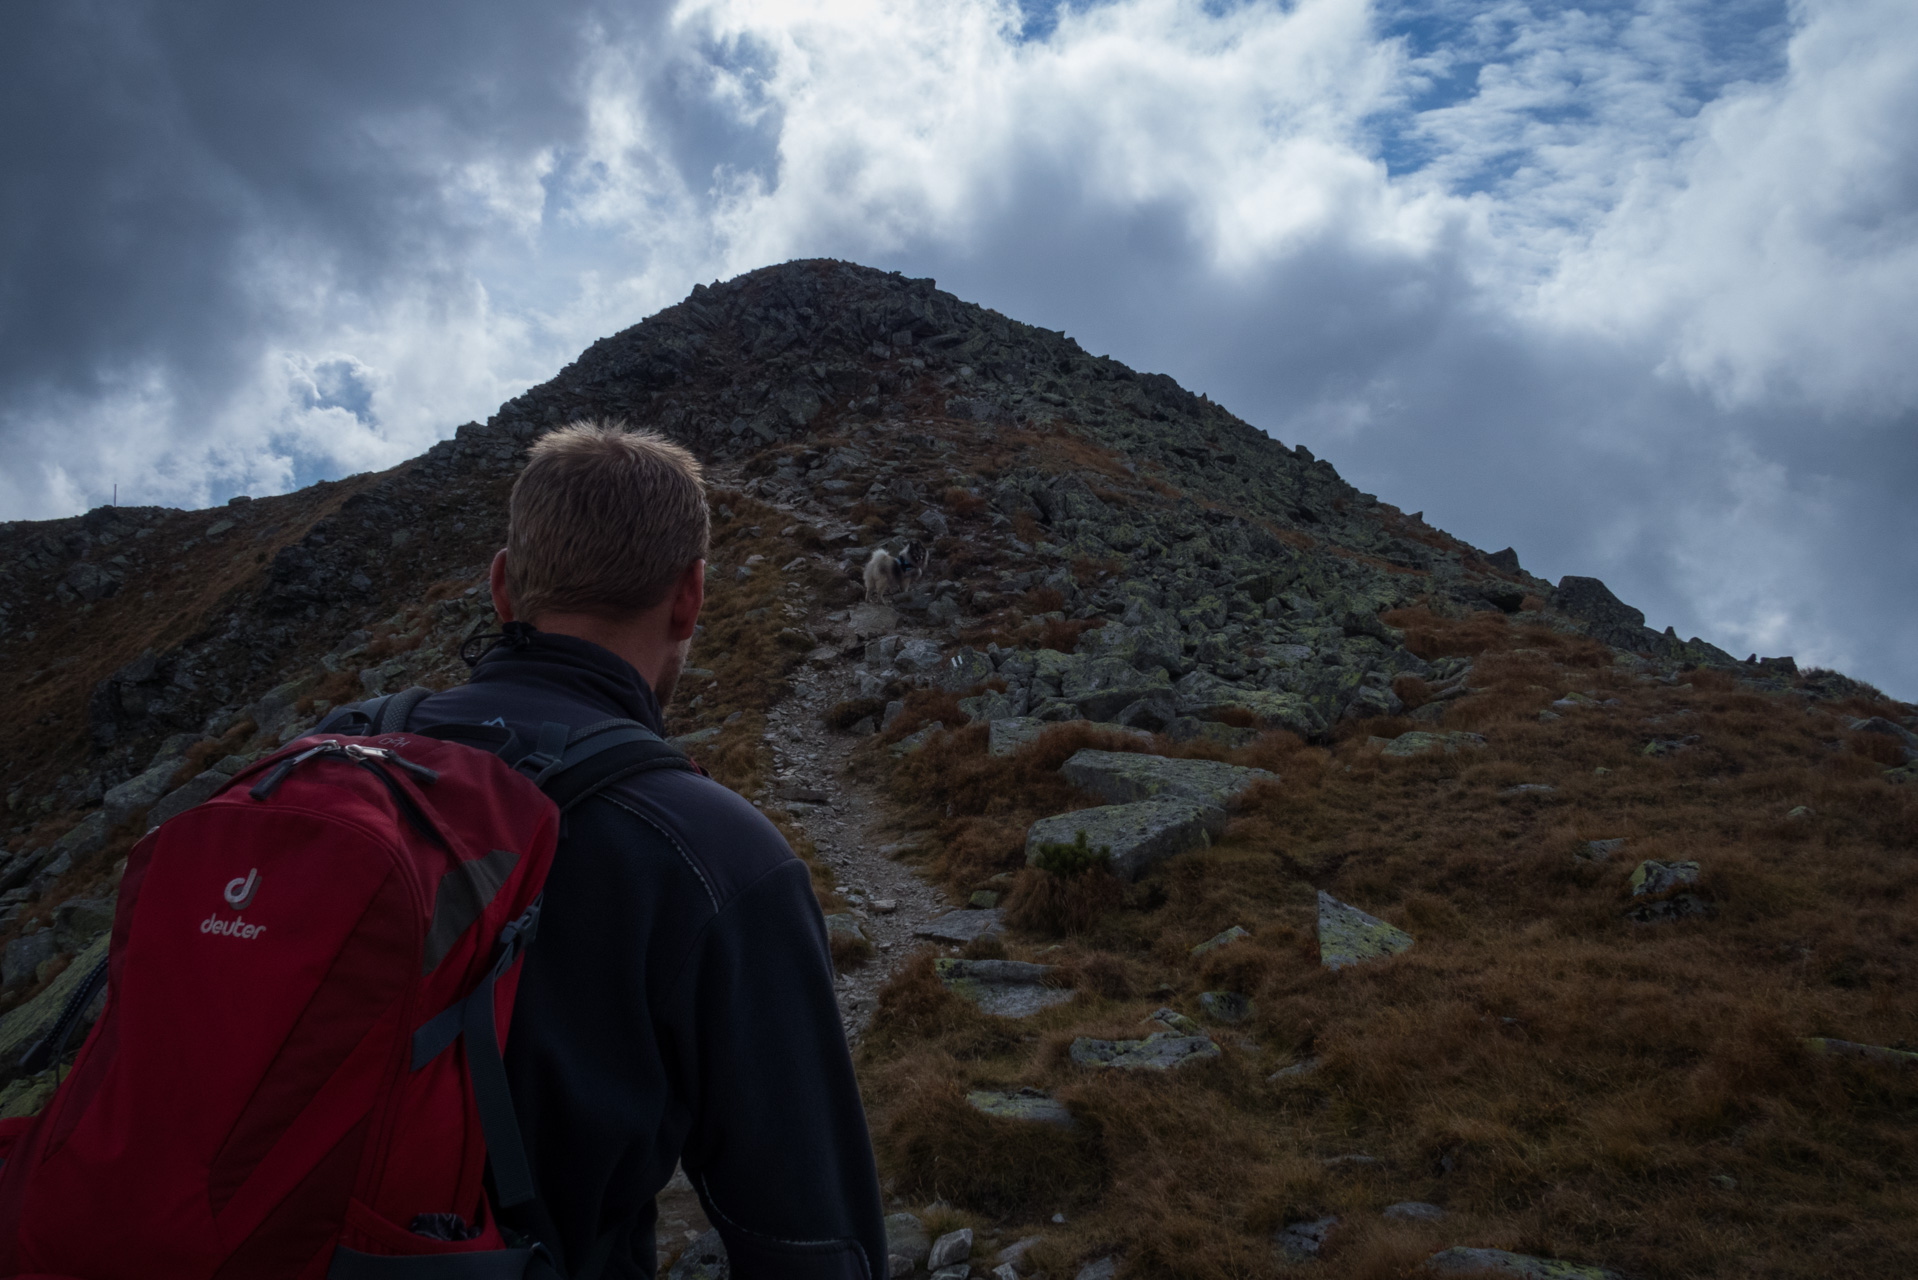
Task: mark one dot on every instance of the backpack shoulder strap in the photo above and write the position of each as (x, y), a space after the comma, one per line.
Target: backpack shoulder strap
(385, 714)
(571, 766)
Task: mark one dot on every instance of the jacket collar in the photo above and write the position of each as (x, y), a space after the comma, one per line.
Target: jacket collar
(573, 668)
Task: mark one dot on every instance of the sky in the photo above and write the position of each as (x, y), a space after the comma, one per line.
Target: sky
(1630, 287)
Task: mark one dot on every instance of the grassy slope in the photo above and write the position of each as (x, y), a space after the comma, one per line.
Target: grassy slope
(1562, 1080)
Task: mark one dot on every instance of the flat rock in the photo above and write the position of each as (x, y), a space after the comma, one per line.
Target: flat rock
(1206, 697)
(1027, 1104)
(843, 924)
(1462, 1261)
(1825, 1046)
(1422, 742)
(1599, 850)
(196, 790)
(870, 620)
(704, 1259)
(1662, 891)
(1225, 1006)
(1301, 1241)
(1098, 1269)
(1176, 1022)
(916, 740)
(1121, 777)
(963, 670)
(20, 1028)
(1414, 1211)
(1009, 734)
(989, 707)
(1650, 878)
(1006, 988)
(954, 1246)
(697, 738)
(907, 1239)
(960, 926)
(1139, 834)
(919, 656)
(1219, 940)
(1348, 936)
(1161, 1051)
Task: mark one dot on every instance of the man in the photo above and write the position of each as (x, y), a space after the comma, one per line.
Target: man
(678, 1003)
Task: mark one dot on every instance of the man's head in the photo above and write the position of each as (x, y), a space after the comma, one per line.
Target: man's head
(607, 531)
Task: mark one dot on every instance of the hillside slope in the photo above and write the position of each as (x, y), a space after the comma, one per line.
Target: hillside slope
(1119, 565)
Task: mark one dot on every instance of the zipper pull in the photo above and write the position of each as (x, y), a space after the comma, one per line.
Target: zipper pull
(265, 787)
(419, 771)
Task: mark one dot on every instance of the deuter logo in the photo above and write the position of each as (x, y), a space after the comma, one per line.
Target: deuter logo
(240, 890)
(231, 928)
(239, 895)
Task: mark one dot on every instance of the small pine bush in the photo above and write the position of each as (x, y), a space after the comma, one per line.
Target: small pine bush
(1068, 861)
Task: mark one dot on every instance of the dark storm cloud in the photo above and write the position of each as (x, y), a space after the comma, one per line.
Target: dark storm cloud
(162, 160)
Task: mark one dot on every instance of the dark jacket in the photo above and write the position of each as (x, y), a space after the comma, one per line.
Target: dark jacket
(677, 1005)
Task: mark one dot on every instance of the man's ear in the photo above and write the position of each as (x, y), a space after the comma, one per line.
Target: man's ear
(688, 598)
(496, 577)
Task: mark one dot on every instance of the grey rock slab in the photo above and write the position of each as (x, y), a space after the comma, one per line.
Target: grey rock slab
(1301, 1241)
(1459, 1260)
(1161, 1051)
(1098, 1269)
(917, 739)
(989, 707)
(1423, 742)
(960, 926)
(954, 1246)
(1652, 878)
(919, 656)
(1600, 850)
(1007, 735)
(869, 620)
(139, 792)
(1225, 1006)
(1825, 1046)
(1303, 1067)
(704, 1259)
(1139, 834)
(23, 955)
(78, 921)
(1005, 1271)
(1175, 1022)
(963, 670)
(1121, 777)
(957, 1271)
(1414, 1211)
(1006, 988)
(843, 924)
(1220, 940)
(196, 790)
(32, 1020)
(1348, 936)
(1014, 1254)
(697, 738)
(906, 1238)
(1027, 1104)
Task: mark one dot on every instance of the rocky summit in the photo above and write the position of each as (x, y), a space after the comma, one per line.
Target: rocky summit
(1193, 819)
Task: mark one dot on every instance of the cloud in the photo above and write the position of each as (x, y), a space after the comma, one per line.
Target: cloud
(1630, 289)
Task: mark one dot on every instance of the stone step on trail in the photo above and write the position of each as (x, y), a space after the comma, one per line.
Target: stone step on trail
(1139, 835)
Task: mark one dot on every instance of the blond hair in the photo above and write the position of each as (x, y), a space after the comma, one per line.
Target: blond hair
(602, 521)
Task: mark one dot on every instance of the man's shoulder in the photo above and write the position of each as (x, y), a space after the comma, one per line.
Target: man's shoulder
(731, 842)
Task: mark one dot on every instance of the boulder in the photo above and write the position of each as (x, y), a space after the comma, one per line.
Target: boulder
(1099, 1269)
(1121, 777)
(989, 707)
(1006, 736)
(32, 1020)
(907, 1241)
(1301, 1241)
(1825, 1047)
(1414, 1211)
(703, 1259)
(1152, 713)
(844, 924)
(1161, 1051)
(1460, 1261)
(963, 670)
(1007, 988)
(89, 837)
(1206, 697)
(1348, 936)
(24, 955)
(1225, 1006)
(78, 921)
(1664, 891)
(1177, 1023)
(954, 1246)
(960, 926)
(137, 794)
(916, 740)
(1139, 834)
(196, 790)
(1600, 850)
(1102, 687)
(1220, 940)
(1030, 1105)
(920, 656)
(1422, 742)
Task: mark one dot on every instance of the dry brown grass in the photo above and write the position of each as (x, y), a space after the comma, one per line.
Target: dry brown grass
(1564, 1081)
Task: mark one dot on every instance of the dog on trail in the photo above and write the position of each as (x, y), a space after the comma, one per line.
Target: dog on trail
(887, 574)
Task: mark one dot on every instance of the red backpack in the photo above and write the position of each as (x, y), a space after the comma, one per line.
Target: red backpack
(297, 1072)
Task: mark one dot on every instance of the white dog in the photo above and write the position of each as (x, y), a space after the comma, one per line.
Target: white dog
(887, 574)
